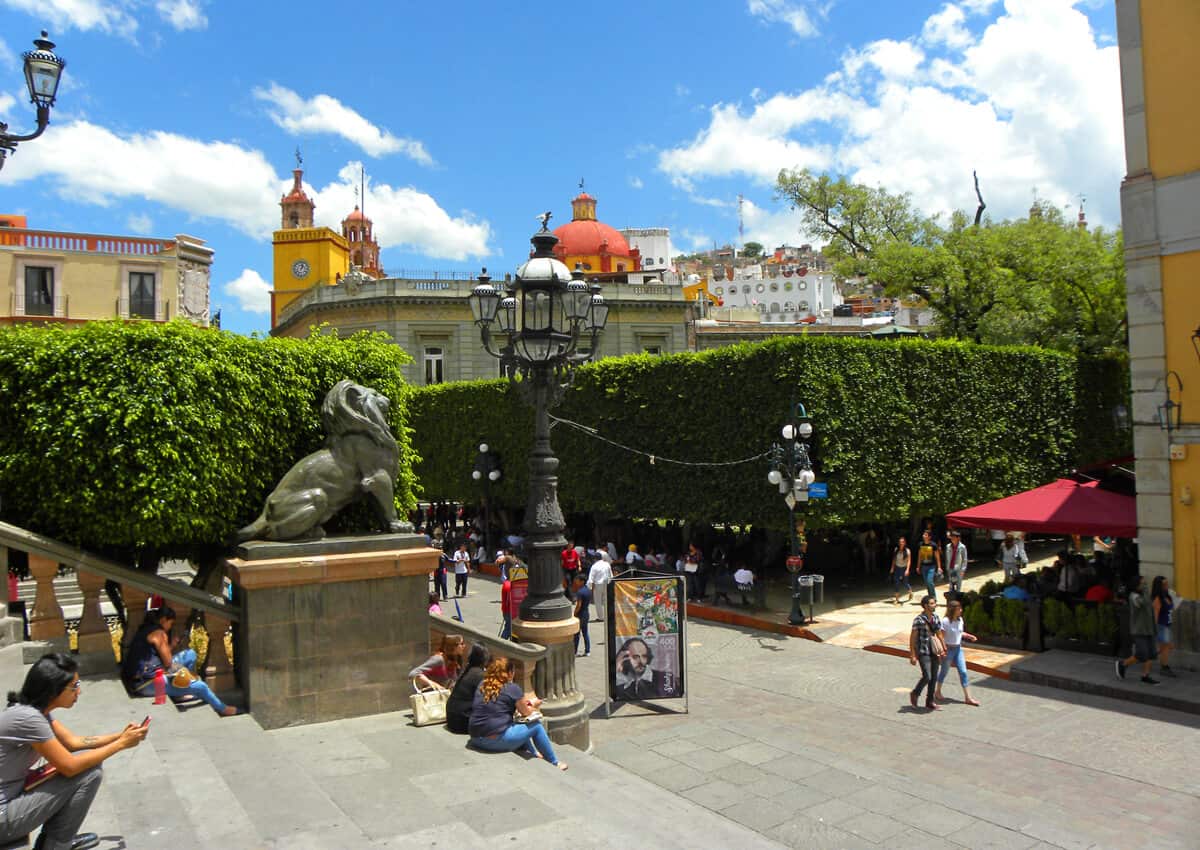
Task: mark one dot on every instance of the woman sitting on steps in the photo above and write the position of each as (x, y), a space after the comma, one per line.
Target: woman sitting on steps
(150, 651)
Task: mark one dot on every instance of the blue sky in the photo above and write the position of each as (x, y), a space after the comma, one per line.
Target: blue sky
(181, 116)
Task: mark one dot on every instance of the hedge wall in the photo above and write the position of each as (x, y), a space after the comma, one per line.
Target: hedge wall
(126, 436)
(901, 427)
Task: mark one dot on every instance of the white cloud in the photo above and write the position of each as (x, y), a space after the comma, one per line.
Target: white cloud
(404, 218)
(636, 182)
(947, 27)
(85, 15)
(8, 57)
(213, 180)
(140, 223)
(681, 90)
(7, 102)
(182, 14)
(253, 294)
(1031, 101)
(220, 181)
(696, 241)
(325, 114)
(789, 12)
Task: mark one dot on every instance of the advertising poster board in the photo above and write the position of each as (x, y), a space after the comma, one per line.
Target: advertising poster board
(646, 638)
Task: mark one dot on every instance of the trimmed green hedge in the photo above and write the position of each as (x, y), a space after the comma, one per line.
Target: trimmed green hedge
(901, 427)
(122, 437)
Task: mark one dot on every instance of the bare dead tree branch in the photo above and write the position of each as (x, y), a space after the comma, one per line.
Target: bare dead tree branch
(982, 206)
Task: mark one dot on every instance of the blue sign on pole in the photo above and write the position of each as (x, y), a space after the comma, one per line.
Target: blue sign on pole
(818, 490)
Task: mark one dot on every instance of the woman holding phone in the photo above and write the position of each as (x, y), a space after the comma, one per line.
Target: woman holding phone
(57, 798)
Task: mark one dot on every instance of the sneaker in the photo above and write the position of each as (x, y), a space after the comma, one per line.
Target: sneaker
(1120, 669)
(1146, 680)
(1167, 671)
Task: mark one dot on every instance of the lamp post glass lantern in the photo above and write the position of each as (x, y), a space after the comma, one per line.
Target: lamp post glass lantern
(43, 73)
(791, 471)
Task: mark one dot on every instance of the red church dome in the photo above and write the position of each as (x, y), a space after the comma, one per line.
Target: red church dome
(590, 237)
(584, 235)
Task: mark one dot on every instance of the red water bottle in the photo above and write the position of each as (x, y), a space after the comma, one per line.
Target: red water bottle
(160, 687)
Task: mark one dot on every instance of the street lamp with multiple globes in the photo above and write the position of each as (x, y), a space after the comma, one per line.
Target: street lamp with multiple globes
(43, 71)
(545, 324)
(487, 472)
(792, 472)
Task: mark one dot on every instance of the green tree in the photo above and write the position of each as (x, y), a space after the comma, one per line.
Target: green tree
(752, 250)
(1041, 280)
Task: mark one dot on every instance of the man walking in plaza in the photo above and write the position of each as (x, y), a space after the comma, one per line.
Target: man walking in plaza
(583, 601)
(570, 564)
(955, 560)
(1011, 556)
(1141, 629)
(598, 578)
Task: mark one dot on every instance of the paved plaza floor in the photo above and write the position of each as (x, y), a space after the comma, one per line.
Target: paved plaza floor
(787, 743)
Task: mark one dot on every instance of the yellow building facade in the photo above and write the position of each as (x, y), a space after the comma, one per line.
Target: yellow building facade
(54, 276)
(1160, 212)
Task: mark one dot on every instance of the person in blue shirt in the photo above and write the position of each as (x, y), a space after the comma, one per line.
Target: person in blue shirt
(583, 603)
(1016, 590)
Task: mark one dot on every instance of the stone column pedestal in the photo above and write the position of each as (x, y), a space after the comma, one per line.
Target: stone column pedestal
(554, 680)
(46, 619)
(331, 628)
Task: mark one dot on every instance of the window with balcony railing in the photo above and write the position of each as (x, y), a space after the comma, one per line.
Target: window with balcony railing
(142, 303)
(39, 291)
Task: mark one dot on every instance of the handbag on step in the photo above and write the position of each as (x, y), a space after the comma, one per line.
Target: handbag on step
(428, 707)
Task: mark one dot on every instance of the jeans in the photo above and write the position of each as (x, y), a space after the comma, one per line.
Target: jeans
(439, 583)
(955, 656)
(460, 584)
(928, 573)
(926, 663)
(531, 736)
(506, 631)
(583, 631)
(187, 658)
(60, 803)
(955, 577)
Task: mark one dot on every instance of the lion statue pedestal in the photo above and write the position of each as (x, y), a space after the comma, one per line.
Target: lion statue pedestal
(332, 625)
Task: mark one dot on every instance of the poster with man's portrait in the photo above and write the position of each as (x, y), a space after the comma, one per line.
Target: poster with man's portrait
(645, 637)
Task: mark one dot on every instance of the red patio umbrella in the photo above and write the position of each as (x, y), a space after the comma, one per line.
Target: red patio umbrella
(1061, 507)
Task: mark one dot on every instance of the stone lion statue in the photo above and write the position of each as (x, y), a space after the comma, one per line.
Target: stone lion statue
(360, 460)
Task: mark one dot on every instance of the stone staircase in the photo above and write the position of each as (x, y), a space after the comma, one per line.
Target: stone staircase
(66, 588)
(201, 782)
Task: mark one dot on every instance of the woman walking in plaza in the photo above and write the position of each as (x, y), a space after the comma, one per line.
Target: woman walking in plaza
(1164, 605)
(953, 633)
(930, 561)
(29, 731)
(925, 648)
(498, 702)
(901, 564)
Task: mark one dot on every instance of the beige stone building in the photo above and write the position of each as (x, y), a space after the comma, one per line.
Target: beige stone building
(53, 276)
(430, 320)
(429, 317)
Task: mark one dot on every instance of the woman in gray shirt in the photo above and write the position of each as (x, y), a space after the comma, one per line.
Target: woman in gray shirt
(28, 733)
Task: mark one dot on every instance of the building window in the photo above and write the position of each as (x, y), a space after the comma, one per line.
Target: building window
(620, 267)
(434, 363)
(141, 296)
(39, 291)
(653, 349)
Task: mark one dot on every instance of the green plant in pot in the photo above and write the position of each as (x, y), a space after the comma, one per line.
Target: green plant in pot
(1087, 622)
(1009, 617)
(1055, 616)
(1106, 624)
(990, 588)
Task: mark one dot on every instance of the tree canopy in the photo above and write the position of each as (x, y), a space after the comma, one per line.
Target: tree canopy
(1040, 280)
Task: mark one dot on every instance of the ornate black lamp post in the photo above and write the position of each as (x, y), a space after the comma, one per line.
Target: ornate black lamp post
(791, 471)
(43, 71)
(487, 471)
(544, 325)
